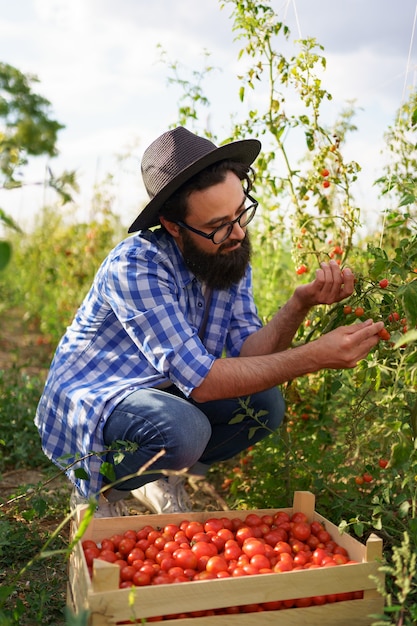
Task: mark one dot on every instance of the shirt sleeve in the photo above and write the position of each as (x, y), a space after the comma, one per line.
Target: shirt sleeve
(244, 319)
(144, 293)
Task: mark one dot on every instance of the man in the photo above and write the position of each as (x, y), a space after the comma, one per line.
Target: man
(167, 349)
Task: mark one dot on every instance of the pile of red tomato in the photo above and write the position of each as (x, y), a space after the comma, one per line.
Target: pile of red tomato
(222, 548)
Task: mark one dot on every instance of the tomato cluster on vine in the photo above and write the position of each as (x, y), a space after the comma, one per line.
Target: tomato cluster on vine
(221, 547)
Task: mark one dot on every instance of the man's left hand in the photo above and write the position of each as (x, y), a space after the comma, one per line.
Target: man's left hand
(331, 284)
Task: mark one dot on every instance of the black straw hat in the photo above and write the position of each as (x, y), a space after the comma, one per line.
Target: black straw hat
(176, 156)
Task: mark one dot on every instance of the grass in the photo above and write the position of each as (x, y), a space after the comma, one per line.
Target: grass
(35, 589)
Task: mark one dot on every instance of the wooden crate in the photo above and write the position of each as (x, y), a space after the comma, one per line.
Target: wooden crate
(109, 605)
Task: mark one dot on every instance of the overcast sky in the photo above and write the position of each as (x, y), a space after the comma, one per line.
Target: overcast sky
(98, 64)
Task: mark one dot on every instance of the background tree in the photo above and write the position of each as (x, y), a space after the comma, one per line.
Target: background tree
(27, 129)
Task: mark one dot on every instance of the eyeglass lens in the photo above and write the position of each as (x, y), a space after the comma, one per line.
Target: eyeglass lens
(223, 232)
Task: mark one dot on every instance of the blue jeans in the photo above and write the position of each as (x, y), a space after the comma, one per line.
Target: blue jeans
(194, 436)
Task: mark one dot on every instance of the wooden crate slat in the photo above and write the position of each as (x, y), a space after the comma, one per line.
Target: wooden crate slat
(353, 612)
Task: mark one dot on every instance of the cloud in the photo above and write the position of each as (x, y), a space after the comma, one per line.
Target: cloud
(99, 65)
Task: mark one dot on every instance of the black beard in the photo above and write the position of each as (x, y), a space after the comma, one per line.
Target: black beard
(220, 270)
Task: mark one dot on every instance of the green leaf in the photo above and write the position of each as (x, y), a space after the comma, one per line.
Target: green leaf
(404, 508)
(336, 385)
(8, 221)
(81, 473)
(5, 592)
(252, 431)
(5, 253)
(400, 453)
(408, 295)
(407, 198)
(379, 268)
(310, 140)
(237, 419)
(107, 470)
(409, 337)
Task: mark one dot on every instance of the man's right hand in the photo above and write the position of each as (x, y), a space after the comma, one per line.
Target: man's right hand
(343, 347)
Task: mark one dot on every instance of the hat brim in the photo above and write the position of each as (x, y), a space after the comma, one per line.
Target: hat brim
(244, 151)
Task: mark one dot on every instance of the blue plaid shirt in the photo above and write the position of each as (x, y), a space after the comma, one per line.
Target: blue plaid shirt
(137, 327)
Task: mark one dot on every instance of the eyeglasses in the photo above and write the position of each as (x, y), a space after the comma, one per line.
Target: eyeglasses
(221, 233)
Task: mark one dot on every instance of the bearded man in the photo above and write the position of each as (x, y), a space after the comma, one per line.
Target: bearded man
(167, 347)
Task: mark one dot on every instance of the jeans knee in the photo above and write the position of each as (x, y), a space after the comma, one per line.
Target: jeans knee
(272, 405)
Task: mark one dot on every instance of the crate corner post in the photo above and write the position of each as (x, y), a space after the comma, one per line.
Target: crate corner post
(304, 501)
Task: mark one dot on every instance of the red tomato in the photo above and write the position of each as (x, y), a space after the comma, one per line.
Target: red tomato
(192, 528)
(260, 561)
(148, 568)
(319, 600)
(202, 548)
(180, 536)
(162, 578)
(312, 542)
(340, 559)
(299, 517)
(301, 531)
(324, 536)
(151, 552)
(143, 532)
(218, 541)
(108, 555)
(275, 535)
(251, 608)
(316, 527)
(253, 546)
(154, 534)
(245, 532)
(216, 564)
(204, 576)
(201, 536)
(116, 539)
(125, 584)
(130, 534)
(226, 534)
(283, 566)
(250, 570)
(282, 546)
(89, 543)
(344, 596)
(213, 524)
(126, 545)
(281, 517)
(186, 558)
(127, 572)
(232, 550)
(238, 571)
(90, 554)
(223, 574)
(171, 546)
(252, 519)
(318, 555)
(134, 555)
(272, 605)
(171, 529)
(301, 558)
